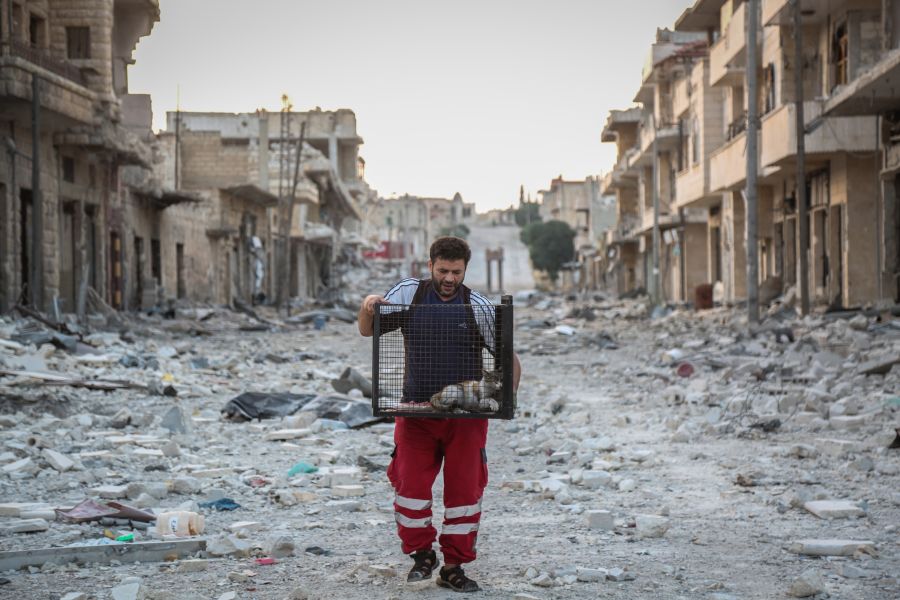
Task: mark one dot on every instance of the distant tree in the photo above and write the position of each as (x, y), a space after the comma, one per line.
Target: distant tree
(550, 245)
(528, 213)
(460, 230)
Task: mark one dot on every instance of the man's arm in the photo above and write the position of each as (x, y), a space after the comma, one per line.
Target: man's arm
(517, 372)
(365, 320)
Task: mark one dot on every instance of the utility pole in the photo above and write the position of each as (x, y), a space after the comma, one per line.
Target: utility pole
(750, 196)
(37, 200)
(656, 296)
(282, 293)
(286, 223)
(802, 217)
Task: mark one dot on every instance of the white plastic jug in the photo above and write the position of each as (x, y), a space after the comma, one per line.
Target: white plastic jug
(180, 523)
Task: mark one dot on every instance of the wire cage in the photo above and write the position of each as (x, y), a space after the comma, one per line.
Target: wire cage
(443, 360)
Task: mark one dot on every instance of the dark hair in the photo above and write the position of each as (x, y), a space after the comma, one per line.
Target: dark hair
(450, 248)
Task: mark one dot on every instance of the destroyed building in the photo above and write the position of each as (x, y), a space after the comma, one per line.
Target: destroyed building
(699, 97)
(70, 124)
(242, 164)
(580, 204)
(403, 227)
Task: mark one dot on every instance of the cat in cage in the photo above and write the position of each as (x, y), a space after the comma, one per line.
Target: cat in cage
(472, 396)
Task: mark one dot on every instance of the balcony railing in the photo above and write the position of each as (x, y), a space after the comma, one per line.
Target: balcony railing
(42, 59)
(736, 127)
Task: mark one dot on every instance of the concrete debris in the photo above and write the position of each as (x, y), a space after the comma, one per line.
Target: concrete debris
(834, 509)
(600, 519)
(808, 584)
(588, 465)
(651, 526)
(832, 547)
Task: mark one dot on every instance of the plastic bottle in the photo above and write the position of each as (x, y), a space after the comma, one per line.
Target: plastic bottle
(180, 523)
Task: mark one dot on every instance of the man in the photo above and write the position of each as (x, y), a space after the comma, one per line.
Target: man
(422, 444)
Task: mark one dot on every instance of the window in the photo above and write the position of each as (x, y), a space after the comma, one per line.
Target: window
(769, 87)
(840, 55)
(78, 42)
(695, 141)
(155, 261)
(68, 169)
(36, 31)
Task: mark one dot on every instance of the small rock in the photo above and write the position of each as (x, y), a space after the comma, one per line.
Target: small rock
(121, 419)
(57, 460)
(175, 421)
(187, 485)
(279, 546)
(193, 565)
(348, 491)
(834, 509)
(24, 526)
(600, 519)
(619, 575)
(228, 596)
(127, 591)
(808, 584)
(627, 485)
(112, 492)
(543, 580)
(227, 545)
(382, 570)
(831, 547)
(588, 575)
(651, 526)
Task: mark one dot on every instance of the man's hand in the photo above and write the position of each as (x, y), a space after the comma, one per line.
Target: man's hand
(365, 320)
(370, 301)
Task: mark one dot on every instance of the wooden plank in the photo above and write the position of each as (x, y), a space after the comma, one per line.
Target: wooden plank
(124, 553)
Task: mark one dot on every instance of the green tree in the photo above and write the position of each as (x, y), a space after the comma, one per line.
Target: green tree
(550, 245)
(528, 213)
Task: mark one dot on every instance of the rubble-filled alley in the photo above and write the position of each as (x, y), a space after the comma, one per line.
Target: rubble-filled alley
(665, 457)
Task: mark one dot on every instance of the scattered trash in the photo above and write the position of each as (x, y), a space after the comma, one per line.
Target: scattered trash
(302, 467)
(222, 504)
(180, 523)
(263, 405)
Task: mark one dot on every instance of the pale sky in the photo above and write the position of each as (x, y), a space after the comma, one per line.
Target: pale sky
(474, 96)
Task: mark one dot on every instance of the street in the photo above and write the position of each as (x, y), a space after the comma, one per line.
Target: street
(705, 491)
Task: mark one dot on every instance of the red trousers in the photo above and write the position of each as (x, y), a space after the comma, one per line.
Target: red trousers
(422, 445)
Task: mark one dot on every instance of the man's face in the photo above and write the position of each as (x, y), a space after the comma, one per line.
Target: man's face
(447, 275)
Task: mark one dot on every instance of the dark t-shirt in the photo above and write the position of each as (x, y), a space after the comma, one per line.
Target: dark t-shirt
(443, 340)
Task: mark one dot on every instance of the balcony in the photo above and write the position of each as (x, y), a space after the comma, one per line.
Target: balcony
(828, 135)
(780, 12)
(63, 89)
(728, 55)
(665, 135)
(691, 185)
(728, 165)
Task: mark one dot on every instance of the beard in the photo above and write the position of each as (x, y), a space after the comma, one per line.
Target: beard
(443, 291)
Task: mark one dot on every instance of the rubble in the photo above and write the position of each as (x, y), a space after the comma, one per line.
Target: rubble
(587, 465)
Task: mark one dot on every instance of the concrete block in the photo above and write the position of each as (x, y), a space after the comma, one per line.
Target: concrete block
(281, 435)
(111, 492)
(831, 547)
(834, 509)
(58, 460)
(600, 519)
(348, 491)
(651, 526)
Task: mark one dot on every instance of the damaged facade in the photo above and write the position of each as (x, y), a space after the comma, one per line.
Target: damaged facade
(64, 204)
(241, 164)
(848, 48)
(580, 205)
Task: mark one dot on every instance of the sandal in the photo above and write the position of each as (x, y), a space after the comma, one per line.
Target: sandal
(426, 561)
(456, 580)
